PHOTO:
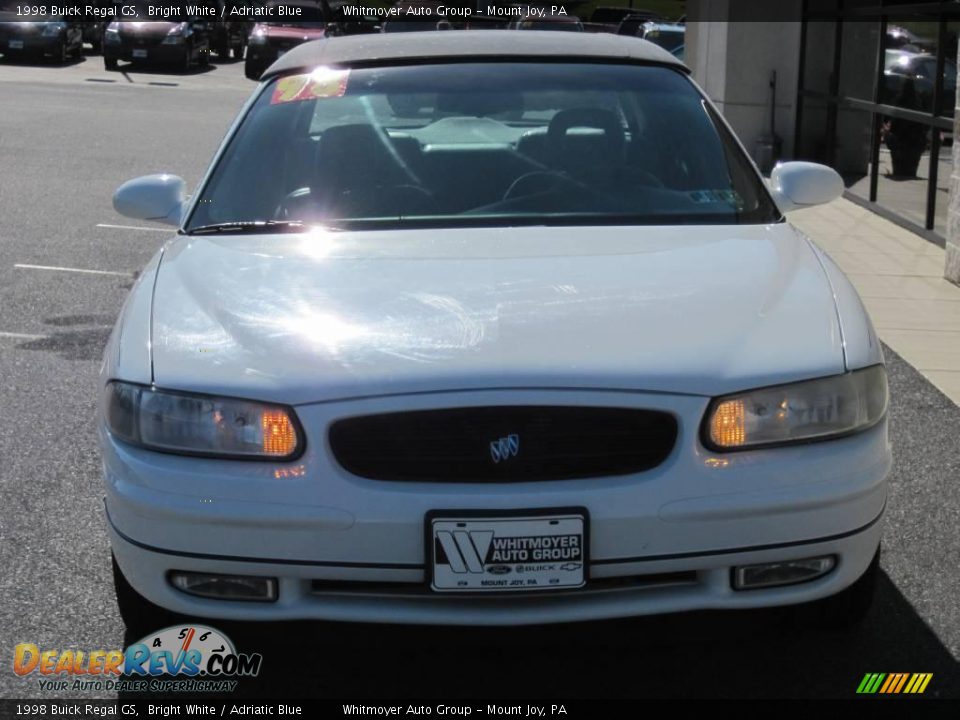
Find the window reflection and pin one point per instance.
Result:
(884, 120)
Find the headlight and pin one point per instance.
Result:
(799, 412)
(257, 37)
(111, 35)
(53, 28)
(177, 35)
(200, 425)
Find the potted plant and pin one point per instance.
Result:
(906, 139)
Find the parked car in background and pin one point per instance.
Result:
(179, 45)
(269, 41)
(399, 25)
(909, 80)
(610, 15)
(482, 328)
(564, 23)
(900, 38)
(669, 36)
(485, 22)
(340, 24)
(54, 40)
(608, 19)
(632, 24)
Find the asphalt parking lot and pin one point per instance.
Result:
(68, 136)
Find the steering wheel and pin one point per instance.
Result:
(299, 199)
(302, 204)
(537, 182)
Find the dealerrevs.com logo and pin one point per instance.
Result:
(181, 658)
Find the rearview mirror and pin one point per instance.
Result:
(796, 185)
(159, 198)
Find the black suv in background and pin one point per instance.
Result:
(180, 44)
(57, 40)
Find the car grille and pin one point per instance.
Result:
(137, 40)
(503, 444)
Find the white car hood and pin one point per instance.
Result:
(331, 315)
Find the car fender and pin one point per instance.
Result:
(861, 346)
(128, 354)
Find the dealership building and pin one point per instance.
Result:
(865, 86)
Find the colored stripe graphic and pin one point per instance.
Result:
(894, 683)
(903, 679)
(892, 679)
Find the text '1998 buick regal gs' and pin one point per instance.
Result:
(489, 328)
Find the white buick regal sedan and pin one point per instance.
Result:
(489, 328)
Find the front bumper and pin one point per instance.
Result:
(347, 548)
(155, 53)
(31, 45)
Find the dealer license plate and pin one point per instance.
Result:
(521, 553)
(15, 44)
(139, 53)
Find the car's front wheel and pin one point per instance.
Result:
(252, 70)
(139, 614)
(187, 60)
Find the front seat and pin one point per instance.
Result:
(595, 159)
(362, 173)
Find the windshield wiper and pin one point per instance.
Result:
(249, 226)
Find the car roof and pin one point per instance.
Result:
(466, 45)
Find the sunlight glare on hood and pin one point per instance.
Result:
(324, 330)
(317, 243)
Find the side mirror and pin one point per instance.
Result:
(160, 198)
(796, 185)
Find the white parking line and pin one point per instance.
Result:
(73, 270)
(132, 227)
(22, 336)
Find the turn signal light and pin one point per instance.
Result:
(279, 435)
(728, 425)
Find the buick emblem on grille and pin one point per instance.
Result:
(505, 448)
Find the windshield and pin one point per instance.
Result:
(483, 144)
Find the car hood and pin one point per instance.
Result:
(276, 32)
(331, 315)
(152, 28)
(20, 28)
